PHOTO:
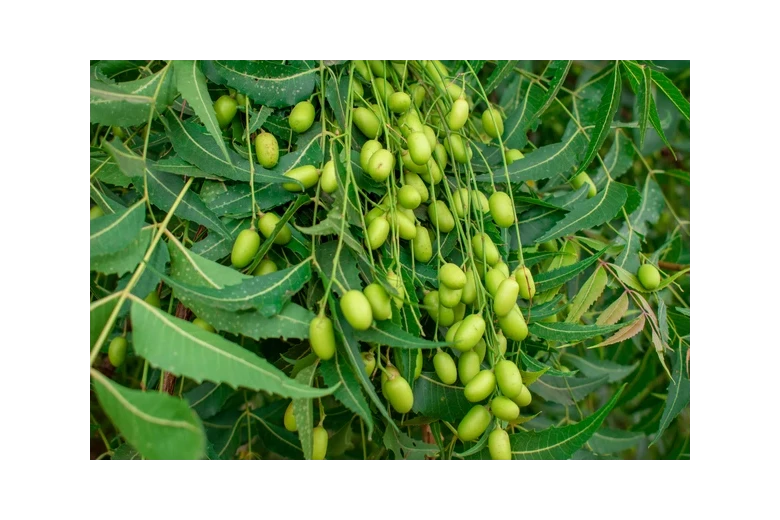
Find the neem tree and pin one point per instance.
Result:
(389, 259)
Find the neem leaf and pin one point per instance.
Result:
(569, 332)
(127, 258)
(335, 370)
(304, 413)
(672, 92)
(608, 440)
(589, 293)
(265, 82)
(389, 334)
(130, 103)
(678, 394)
(432, 398)
(601, 367)
(111, 233)
(557, 277)
(567, 390)
(606, 113)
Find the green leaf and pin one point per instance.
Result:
(113, 232)
(275, 437)
(635, 73)
(502, 70)
(629, 257)
(264, 82)
(187, 267)
(335, 370)
(236, 201)
(346, 273)
(157, 425)
(671, 91)
(557, 277)
(192, 84)
(99, 311)
(618, 160)
(569, 332)
(304, 412)
(615, 312)
(627, 332)
(589, 293)
(389, 334)
(127, 258)
(257, 121)
(567, 390)
(591, 367)
(208, 398)
(336, 92)
(432, 398)
(606, 113)
(607, 440)
(650, 209)
(179, 347)
(644, 99)
(178, 166)
(215, 246)
(105, 169)
(536, 365)
(130, 103)
(406, 448)
(678, 394)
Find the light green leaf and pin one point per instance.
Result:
(589, 293)
(113, 232)
(644, 99)
(615, 312)
(99, 311)
(591, 367)
(608, 440)
(389, 334)
(130, 103)
(557, 277)
(605, 115)
(304, 412)
(569, 332)
(127, 258)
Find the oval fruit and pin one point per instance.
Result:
(649, 277)
(499, 446)
(513, 325)
(450, 336)
(321, 337)
(492, 122)
(474, 423)
(460, 202)
(452, 276)
(399, 393)
(469, 295)
(449, 297)
(409, 123)
(399, 102)
(379, 300)
(319, 445)
(431, 304)
(377, 233)
(501, 209)
(328, 181)
(513, 155)
(267, 149)
(419, 148)
(418, 94)
(153, 299)
(481, 350)
(581, 179)
(460, 151)
(493, 280)
(445, 368)
(266, 225)
(430, 133)
(367, 122)
(378, 67)
(117, 351)
(468, 366)
(369, 362)
(501, 342)
(480, 387)
(381, 164)
(404, 226)
(409, 197)
(508, 377)
(526, 282)
(440, 155)
(484, 249)
(506, 296)
(374, 214)
(383, 89)
(289, 419)
(459, 311)
(245, 248)
(369, 148)
(357, 309)
(301, 117)
(95, 212)
(266, 266)
(389, 372)
(306, 175)
(225, 108)
(203, 324)
(470, 332)
(414, 180)
(440, 215)
(398, 284)
(523, 398)
(446, 316)
(458, 115)
(421, 245)
(504, 408)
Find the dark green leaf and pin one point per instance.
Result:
(569, 332)
(567, 390)
(605, 115)
(131, 102)
(678, 393)
(672, 92)
(608, 440)
(389, 334)
(264, 82)
(558, 277)
(348, 393)
(592, 367)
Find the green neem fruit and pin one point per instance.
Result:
(404, 226)
(362, 68)
(431, 304)
(493, 280)
(409, 164)
(245, 248)
(458, 115)
(357, 89)
(374, 214)
(418, 94)
(369, 148)
(549, 246)
(266, 225)
(421, 245)
(414, 180)
(440, 155)
(399, 102)
(649, 277)
(446, 316)
(501, 209)
(379, 300)
(454, 144)
(450, 336)
(95, 212)
(266, 266)
(267, 149)
(432, 173)
(480, 387)
(395, 282)
(118, 132)
(357, 309)
(501, 342)
(449, 297)
(377, 232)
(328, 181)
(409, 197)
(513, 325)
(460, 311)
(225, 108)
(378, 67)
(526, 281)
(399, 393)
(117, 351)
(418, 363)
(480, 201)
(367, 122)
(452, 276)
(419, 147)
(460, 202)
(445, 367)
(581, 179)
(381, 164)
(289, 419)
(470, 332)
(321, 337)
(301, 117)
(307, 175)
(430, 134)
(514, 155)
(468, 366)
(153, 299)
(474, 423)
(509, 379)
(383, 89)
(505, 298)
(523, 398)
(469, 295)
(319, 445)
(409, 123)
(240, 99)
(501, 266)
(492, 122)
(552, 319)
(481, 350)
(484, 248)
(499, 446)
(390, 372)
(203, 324)
(504, 408)
(440, 215)
(572, 253)
(369, 362)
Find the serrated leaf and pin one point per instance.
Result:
(634, 73)
(534, 364)
(179, 347)
(432, 398)
(627, 332)
(557, 277)
(671, 91)
(264, 82)
(615, 312)
(589, 293)
(606, 113)
(629, 257)
(111, 233)
(569, 332)
(389, 334)
(608, 440)
(105, 198)
(257, 121)
(650, 209)
(304, 413)
(130, 103)
(567, 390)
(127, 258)
(601, 367)
(346, 271)
(157, 425)
(678, 393)
(406, 448)
(502, 70)
(348, 392)
(236, 201)
(178, 166)
(643, 100)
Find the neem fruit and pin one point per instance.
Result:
(506, 296)
(468, 366)
(379, 300)
(492, 122)
(445, 367)
(501, 209)
(367, 122)
(203, 324)
(526, 282)
(266, 225)
(245, 248)
(510, 382)
(499, 446)
(319, 443)
(328, 181)
(301, 117)
(357, 309)
(504, 408)
(267, 149)
(474, 423)
(649, 277)
(513, 325)
(381, 164)
(117, 351)
(480, 386)
(225, 108)
(399, 393)
(289, 419)
(452, 276)
(377, 232)
(306, 175)
(321, 337)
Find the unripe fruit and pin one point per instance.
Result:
(470, 332)
(319, 443)
(203, 324)
(493, 280)
(440, 215)
(289, 419)
(117, 351)
(450, 336)
(118, 132)
(361, 67)
(501, 342)
(550, 246)
(307, 175)
(245, 248)
(480, 387)
(357, 90)
(266, 266)
(390, 372)
(369, 148)
(440, 155)
(432, 173)
(460, 202)
(404, 226)
(526, 282)
(378, 67)
(649, 277)
(369, 362)
(430, 133)
(449, 297)
(459, 311)
(418, 95)
(328, 181)
(501, 209)
(398, 285)
(499, 446)
(446, 316)
(379, 300)
(399, 393)
(445, 368)
(414, 180)
(454, 91)
(492, 122)
(480, 201)
(484, 248)
(523, 398)
(452, 276)
(377, 232)
(509, 379)
(301, 117)
(481, 350)
(419, 147)
(409, 197)
(225, 108)
(267, 149)
(381, 164)
(474, 423)
(421, 245)
(383, 89)
(399, 102)
(153, 299)
(506, 297)
(469, 295)
(266, 225)
(504, 408)
(95, 212)
(501, 266)
(357, 309)
(460, 151)
(513, 325)
(581, 179)
(367, 122)
(468, 366)
(321, 337)
(458, 115)
(409, 123)
(514, 155)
